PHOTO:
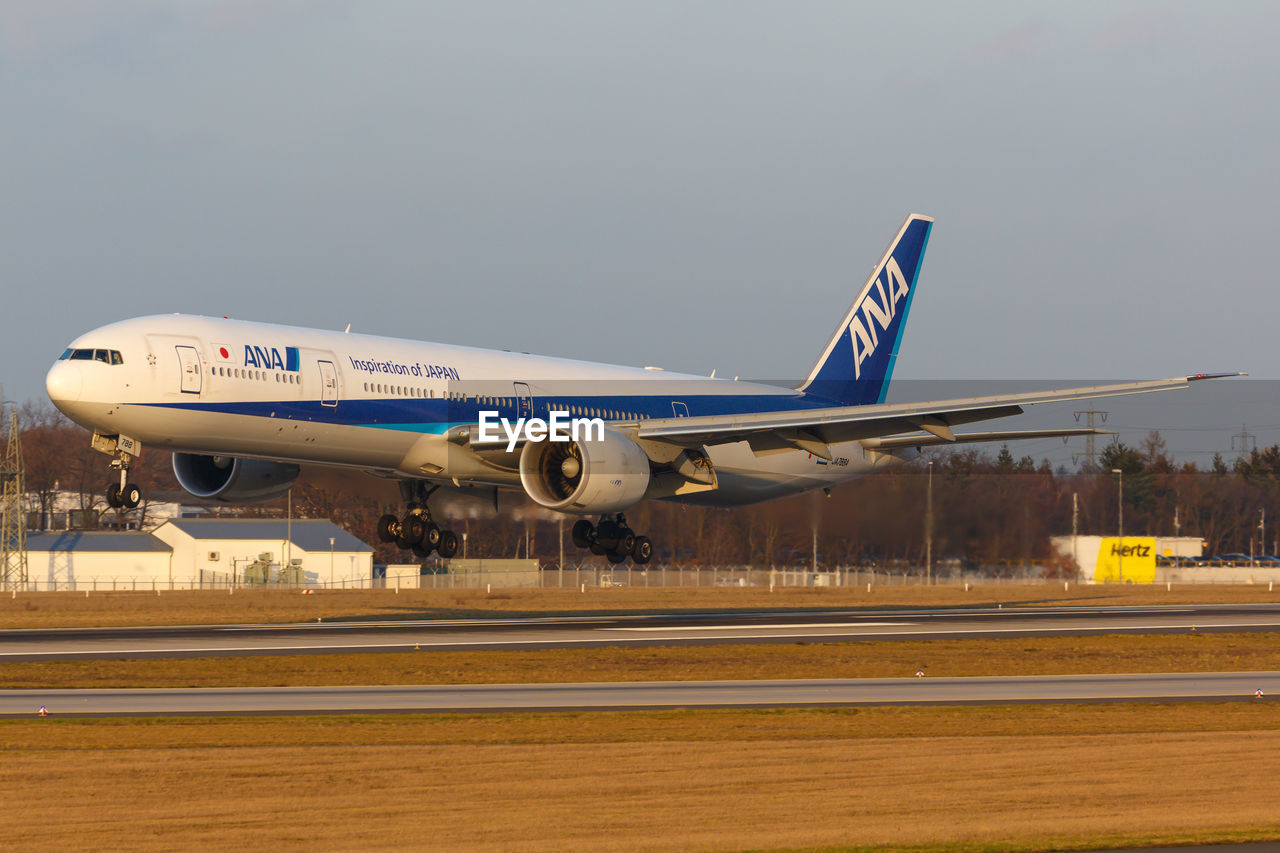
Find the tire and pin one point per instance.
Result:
(642, 551)
(412, 529)
(607, 536)
(431, 538)
(448, 544)
(626, 541)
(404, 544)
(387, 527)
(131, 496)
(615, 558)
(583, 532)
(113, 496)
(422, 552)
(598, 549)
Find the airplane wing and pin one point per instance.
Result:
(814, 430)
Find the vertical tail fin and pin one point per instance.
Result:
(857, 364)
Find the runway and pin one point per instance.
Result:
(632, 695)
(642, 630)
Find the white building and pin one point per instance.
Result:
(219, 550)
(93, 559)
(197, 553)
(68, 510)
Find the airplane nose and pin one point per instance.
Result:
(64, 382)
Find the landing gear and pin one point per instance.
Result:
(611, 538)
(416, 532)
(123, 450)
(127, 495)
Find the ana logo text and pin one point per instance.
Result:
(269, 358)
(873, 315)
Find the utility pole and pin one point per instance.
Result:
(1262, 530)
(1120, 523)
(13, 526)
(928, 529)
(1075, 532)
(1090, 444)
(288, 534)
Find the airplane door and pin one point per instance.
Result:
(189, 362)
(328, 383)
(680, 410)
(524, 400)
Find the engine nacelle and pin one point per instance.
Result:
(606, 475)
(231, 480)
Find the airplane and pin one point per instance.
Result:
(247, 406)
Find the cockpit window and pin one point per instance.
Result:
(106, 356)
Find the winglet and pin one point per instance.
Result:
(1197, 377)
(857, 364)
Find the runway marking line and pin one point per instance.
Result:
(762, 627)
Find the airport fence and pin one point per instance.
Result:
(654, 576)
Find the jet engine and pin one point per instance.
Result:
(605, 475)
(231, 480)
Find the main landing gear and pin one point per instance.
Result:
(417, 532)
(613, 539)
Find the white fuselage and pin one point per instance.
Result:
(254, 390)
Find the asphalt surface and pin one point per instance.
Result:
(648, 630)
(630, 695)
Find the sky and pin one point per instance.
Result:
(692, 185)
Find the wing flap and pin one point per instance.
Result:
(898, 441)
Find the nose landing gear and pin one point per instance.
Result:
(123, 450)
(613, 539)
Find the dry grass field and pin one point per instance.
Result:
(1187, 652)
(71, 609)
(1007, 778)
(1002, 778)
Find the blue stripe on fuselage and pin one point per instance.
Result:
(436, 415)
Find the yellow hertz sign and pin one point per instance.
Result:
(1128, 560)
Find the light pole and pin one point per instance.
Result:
(928, 529)
(1120, 523)
(331, 562)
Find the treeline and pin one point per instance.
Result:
(990, 509)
